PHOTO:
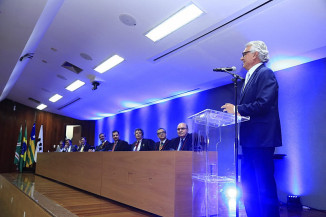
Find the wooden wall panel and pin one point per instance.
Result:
(13, 115)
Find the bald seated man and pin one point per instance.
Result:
(184, 140)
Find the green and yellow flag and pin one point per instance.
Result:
(23, 152)
(31, 149)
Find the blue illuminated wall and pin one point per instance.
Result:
(166, 115)
(302, 102)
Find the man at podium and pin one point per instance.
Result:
(261, 134)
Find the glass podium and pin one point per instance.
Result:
(213, 170)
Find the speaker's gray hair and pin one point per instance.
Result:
(261, 48)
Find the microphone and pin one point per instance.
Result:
(229, 69)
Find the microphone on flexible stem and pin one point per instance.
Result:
(228, 69)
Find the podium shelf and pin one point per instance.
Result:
(214, 118)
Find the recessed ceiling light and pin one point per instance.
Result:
(175, 22)
(75, 85)
(55, 98)
(109, 63)
(41, 107)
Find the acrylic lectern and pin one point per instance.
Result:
(213, 170)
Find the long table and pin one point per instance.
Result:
(158, 182)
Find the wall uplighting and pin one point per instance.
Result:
(41, 107)
(176, 21)
(55, 98)
(106, 114)
(283, 62)
(75, 85)
(109, 63)
(294, 201)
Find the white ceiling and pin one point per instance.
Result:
(57, 31)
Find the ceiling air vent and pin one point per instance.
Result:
(69, 103)
(71, 67)
(61, 77)
(34, 100)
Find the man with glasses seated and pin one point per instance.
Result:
(164, 144)
(184, 140)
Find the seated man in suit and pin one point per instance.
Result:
(60, 146)
(118, 144)
(184, 140)
(69, 147)
(142, 144)
(164, 143)
(104, 146)
(83, 145)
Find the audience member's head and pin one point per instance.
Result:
(161, 134)
(182, 130)
(83, 141)
(139, 134)
(115, 135)
(102, 137)
(67, 143)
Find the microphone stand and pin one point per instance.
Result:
(235, 79)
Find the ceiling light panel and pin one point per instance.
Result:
(109, 63)
(41, 107)
(176, 21)
(55, 98)
(75, 85)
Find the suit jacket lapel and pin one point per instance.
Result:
(250, 82)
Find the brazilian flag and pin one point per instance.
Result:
(23, 152)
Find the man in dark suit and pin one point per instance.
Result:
(142, 144)
(164, 143)
(104, 143)
(69, 147)
(83, 145)
(118, 144)
(261, 134)
(184, 140)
